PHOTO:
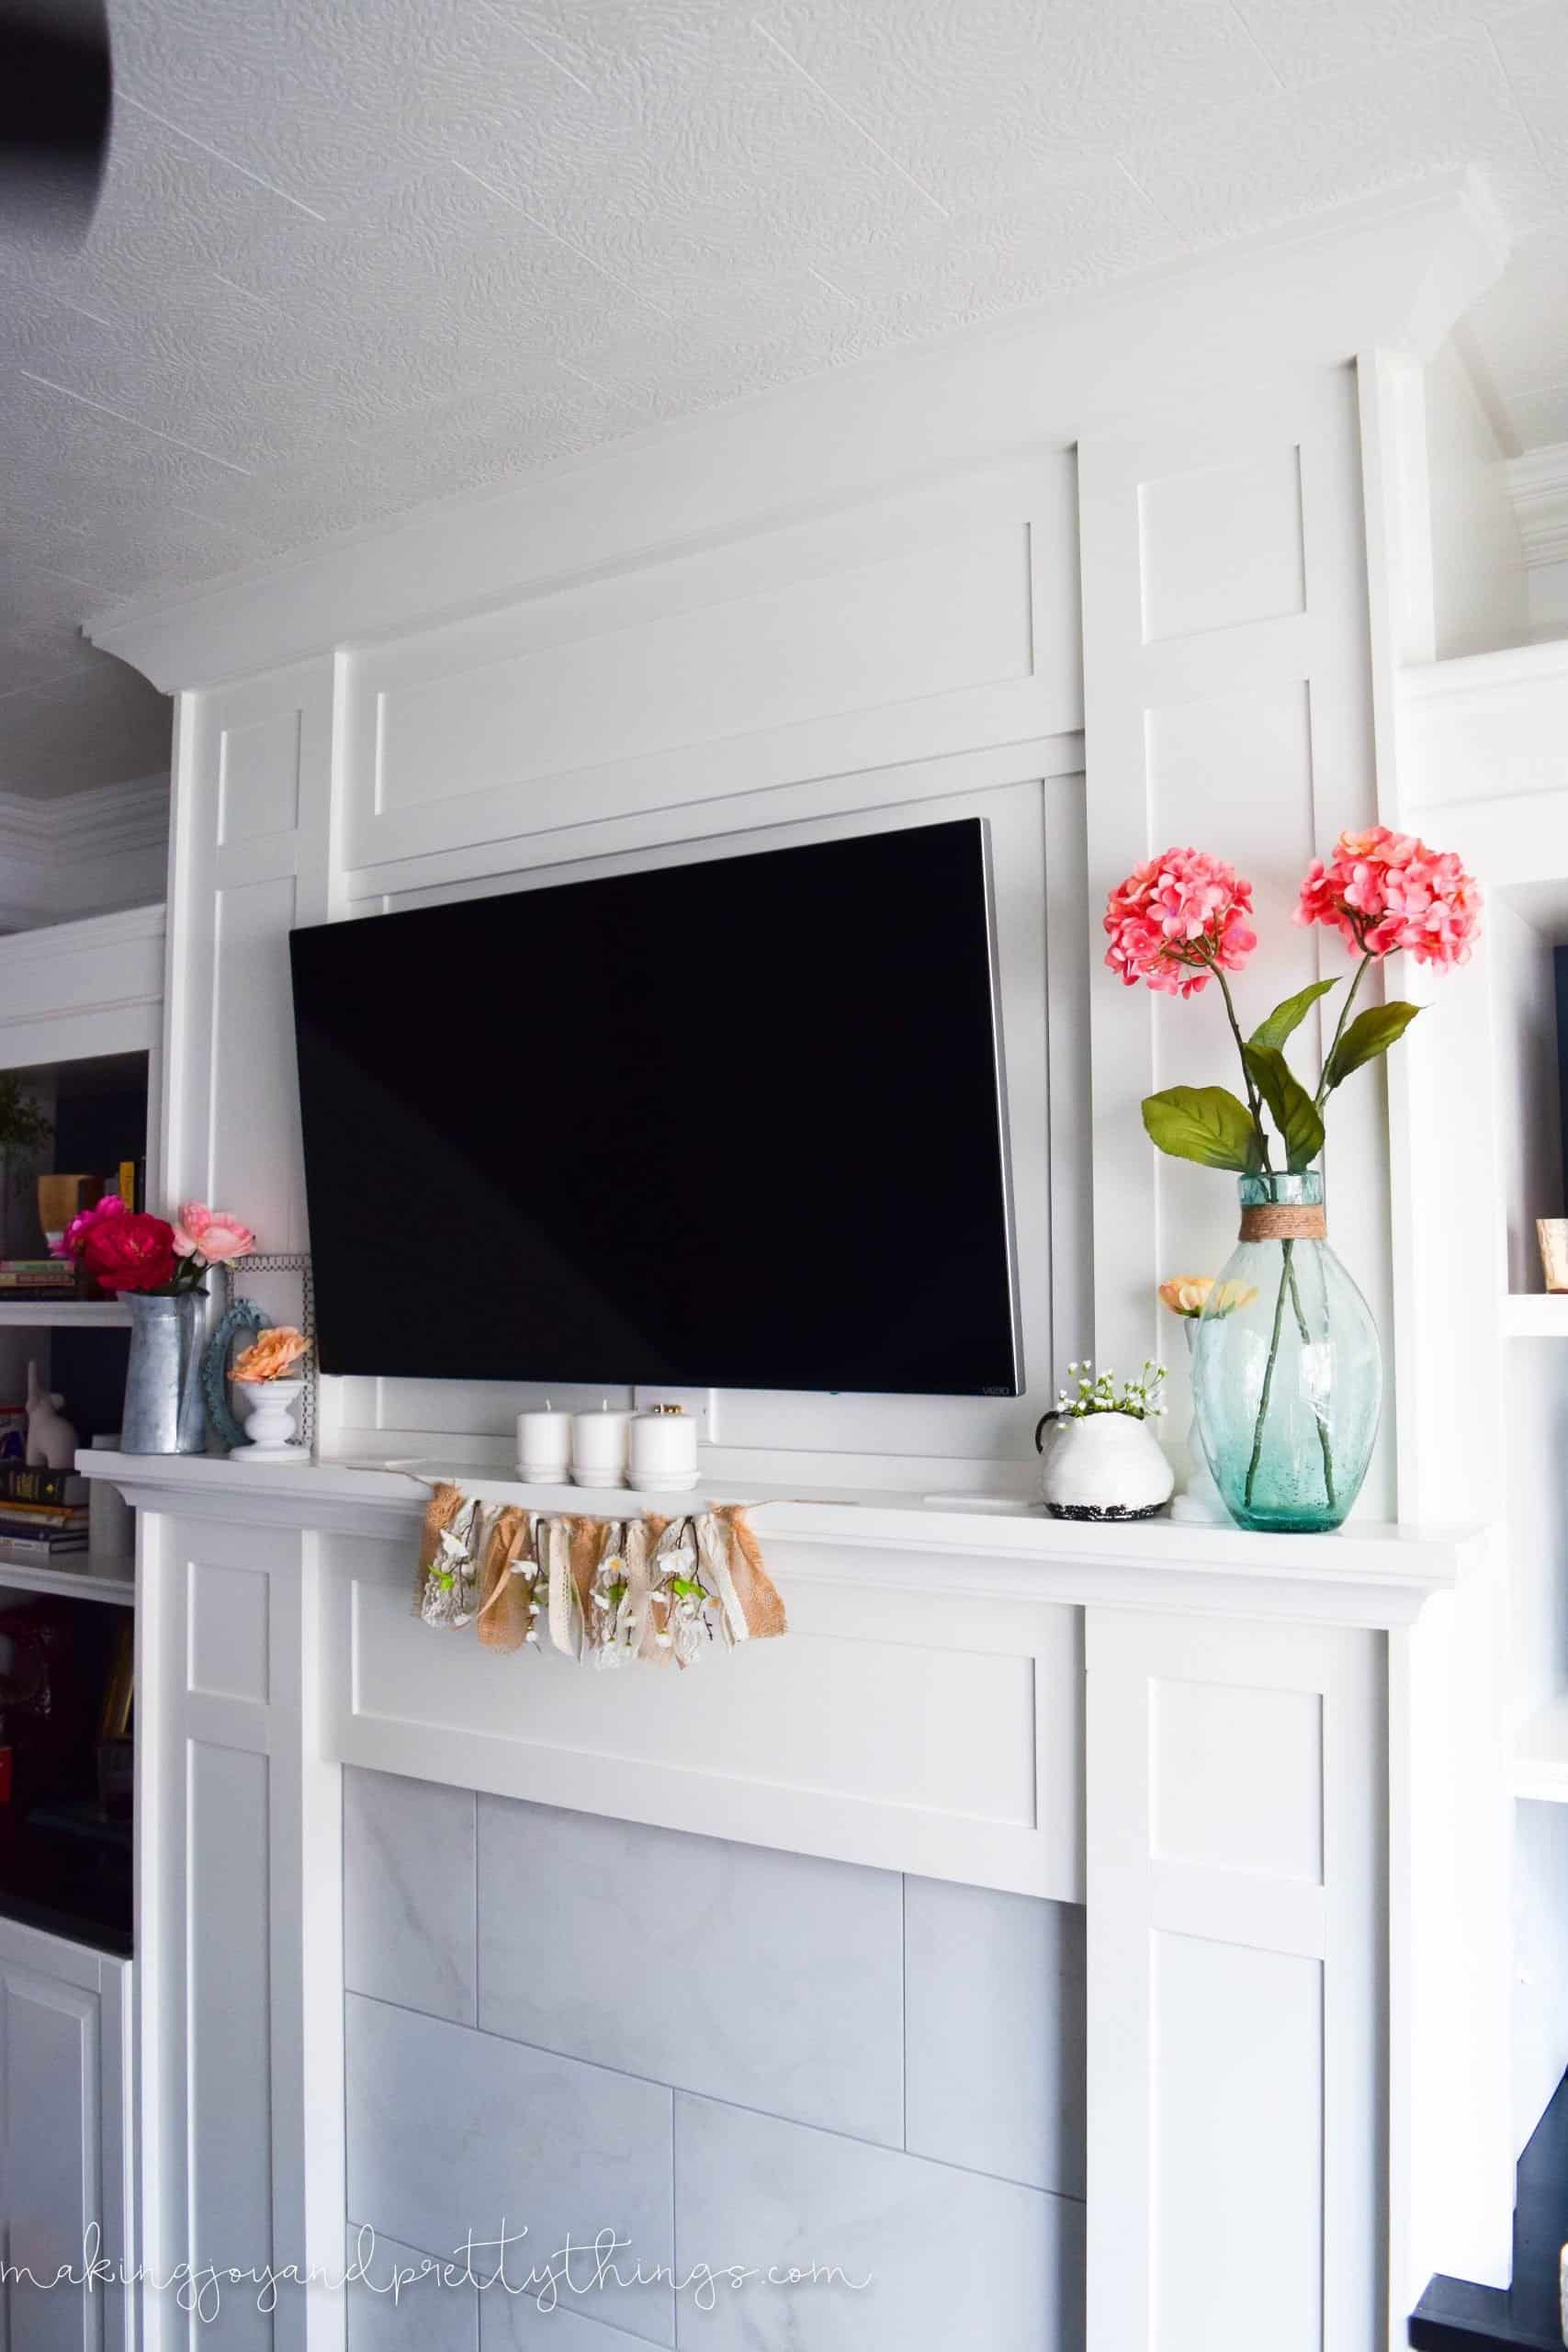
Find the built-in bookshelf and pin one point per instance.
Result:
(96, 1106)
(81, 1030)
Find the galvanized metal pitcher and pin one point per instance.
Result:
(163, 1410)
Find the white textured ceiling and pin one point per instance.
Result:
(354, 254)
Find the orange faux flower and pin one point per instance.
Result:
(271, 1354)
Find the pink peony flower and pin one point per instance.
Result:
(73, 1242)
(130, 1253)
(1382, 890)
(1176, 919)
(208, 1234)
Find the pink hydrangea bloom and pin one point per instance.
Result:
(202, 1232)
(1177, 917)
(1382, 890)
(73, 1242)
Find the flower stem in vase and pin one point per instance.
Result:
(1324, 1441)
(1267, 1380)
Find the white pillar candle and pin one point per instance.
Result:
(544, 1445)
(599, 1448)
(662, 1448)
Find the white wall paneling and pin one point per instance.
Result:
(933, 623)
(252, 809)
(79, 989)
(65, 2141)
(240, 2047)
(1451, 2142)
(1234, 1918)
(895, 1732)
(1489, 724)
(1227, 701)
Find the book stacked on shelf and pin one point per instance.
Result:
(38, 1278)
(43, 1515)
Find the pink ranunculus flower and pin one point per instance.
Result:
(1177, 919)
(73, 1242)
(202, 1232)
(1382, 890)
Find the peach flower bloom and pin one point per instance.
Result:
(1188, 1294)
(271, 1354)
(202, 1232)
(1185, 1293)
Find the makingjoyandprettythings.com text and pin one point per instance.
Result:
(570, 2273)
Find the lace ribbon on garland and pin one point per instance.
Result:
(610, 1593)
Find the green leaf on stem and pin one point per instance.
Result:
(1203, 1122)
(1287, 1017)
(1370, 1034)
(1289, 1105)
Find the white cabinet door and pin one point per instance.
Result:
(65, 2169)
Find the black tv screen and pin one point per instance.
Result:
(739, 1123)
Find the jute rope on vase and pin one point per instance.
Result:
(1283, 1224)
(608, 1593)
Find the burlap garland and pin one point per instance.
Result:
(446, 1503)
(506, 1584)
(1294, 1224)
(606, 1591)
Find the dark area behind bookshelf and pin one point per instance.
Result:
(100, 1116)
(65, 1826)
(100, 1113)
(88, 1368)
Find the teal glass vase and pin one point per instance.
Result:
(1287, 1372)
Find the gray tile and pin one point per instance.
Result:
(452, 2131)
(995, 1993)
(925, 2257)
(408, 1894)
(387, 2312)
(514, 2323)
(774, 1980)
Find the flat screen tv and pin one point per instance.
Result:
(737, 1124)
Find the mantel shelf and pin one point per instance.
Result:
(1366, 1574)
(65, 1314)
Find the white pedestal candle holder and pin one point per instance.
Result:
(268, 1407)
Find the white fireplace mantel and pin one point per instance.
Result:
(1245, 1755)
(1370, 1573)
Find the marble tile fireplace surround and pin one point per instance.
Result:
(785, 2053)
(1023, 1939)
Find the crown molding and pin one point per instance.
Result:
(1538, 484)
(107, 819)
(1391, 273)
(58, 856)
